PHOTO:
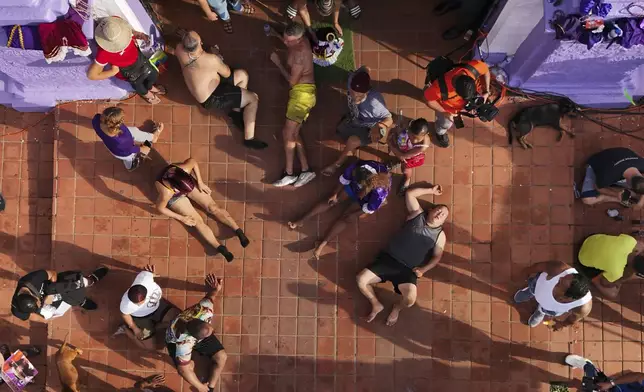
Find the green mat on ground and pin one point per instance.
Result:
(337, 73)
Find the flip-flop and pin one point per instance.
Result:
(354, 9)
(161, 90)
(247, 9)
(626, 198)
(152, 101)
(291, 12)
(228, 26)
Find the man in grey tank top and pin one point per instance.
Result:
(413, 251)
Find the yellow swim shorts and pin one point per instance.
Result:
(301, 100)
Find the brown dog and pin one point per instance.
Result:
(66, 369)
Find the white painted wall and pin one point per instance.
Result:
(516, 21)
(120, 8)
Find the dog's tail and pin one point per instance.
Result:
(65, 341)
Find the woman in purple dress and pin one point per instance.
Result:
(363, 189)
(129, 144)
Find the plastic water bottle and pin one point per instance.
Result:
(267, 29)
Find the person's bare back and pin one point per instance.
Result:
(302, 55)
(201, 73)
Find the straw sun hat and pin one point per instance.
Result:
(113, 34)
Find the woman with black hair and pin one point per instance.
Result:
(363, 189)
(177, 186)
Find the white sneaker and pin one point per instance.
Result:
(304, 178)
(576, 361)
(287, 179)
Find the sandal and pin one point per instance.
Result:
(354, 8)
(152, 101)
(247, 9)
(626, 198)
(161, 90)
(228, 26)
(291, 12)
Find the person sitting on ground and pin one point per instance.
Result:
(610, 260)
(411, 253)
(301, 100)
(625, 382)
(325, 8)
(177, 187)
(559, 291)
(117, 47)
(366, 185)
(144, 310)
(614, 167)
(129, 144)
(216, 86)
(218, 9)
(50, 294)
(409, 146)
(461, 86)
(192, 331)
(367, 120)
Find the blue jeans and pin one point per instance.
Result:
(220, 7)
(532, 284)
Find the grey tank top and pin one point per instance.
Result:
(414, 241)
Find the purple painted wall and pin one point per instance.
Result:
(595, 77)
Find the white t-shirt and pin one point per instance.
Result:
(152, 299)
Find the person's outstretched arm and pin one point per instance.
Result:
(411, 199)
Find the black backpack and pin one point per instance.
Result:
(438, 67)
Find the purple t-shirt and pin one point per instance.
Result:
(121, 145)
(374, 199)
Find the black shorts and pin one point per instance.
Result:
(389, 269)
(226, 96)
(148, 323)
(207, 347)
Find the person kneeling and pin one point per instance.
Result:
(559, 291)
(414, 250)
(610, 260)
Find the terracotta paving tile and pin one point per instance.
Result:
(289, 323)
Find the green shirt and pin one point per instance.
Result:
(608, 253)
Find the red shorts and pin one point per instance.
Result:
(415, 161)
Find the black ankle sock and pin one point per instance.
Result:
(225, 252)
(242, 237)
(255, 144)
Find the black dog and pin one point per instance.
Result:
(535, 116)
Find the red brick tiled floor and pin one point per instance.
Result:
(287, 322)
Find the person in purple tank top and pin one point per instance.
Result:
(366, 185)
(129, 144)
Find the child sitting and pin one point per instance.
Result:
(409, 146)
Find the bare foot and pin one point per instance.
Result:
(318, 250)
(375, 309)
(158, 128)
(329, 170)
(294, 225)
(393, 316)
